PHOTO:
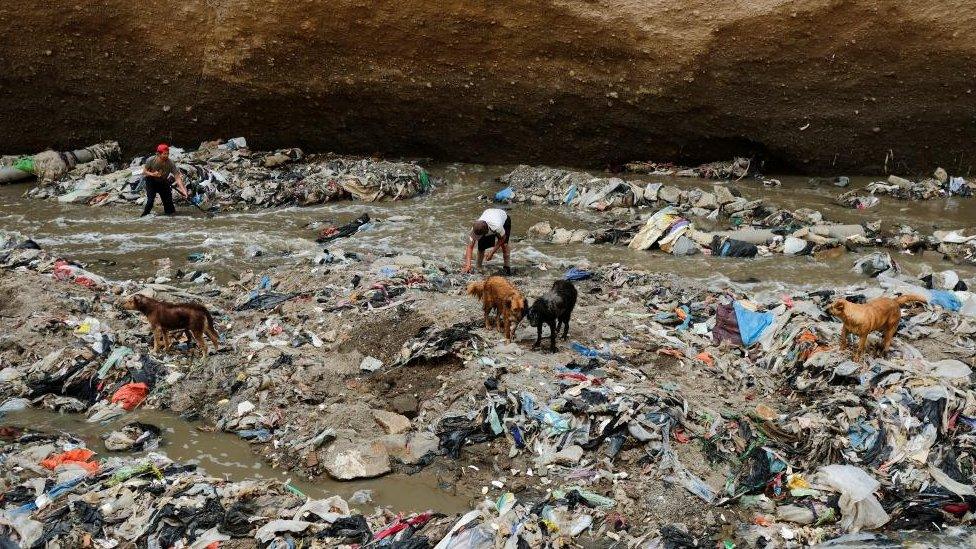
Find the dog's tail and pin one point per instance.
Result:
(910, 298)
(476, 289)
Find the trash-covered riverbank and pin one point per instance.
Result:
(679, 412)
(228, 175)
(719, 221)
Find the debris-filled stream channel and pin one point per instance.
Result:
(698, 400)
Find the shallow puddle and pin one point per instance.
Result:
(228, 456)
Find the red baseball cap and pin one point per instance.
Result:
(162, 147)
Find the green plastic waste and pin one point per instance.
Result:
(424, 180)
(125, 473)
(25, 164)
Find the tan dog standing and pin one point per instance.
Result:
(881, 314)
(499, 296)
(165, 317)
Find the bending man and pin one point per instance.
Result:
(158, 171)
(490, 232)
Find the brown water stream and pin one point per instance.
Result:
(118, 244)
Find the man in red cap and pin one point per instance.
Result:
(159, 170)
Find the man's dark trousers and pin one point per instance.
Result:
(154, 186)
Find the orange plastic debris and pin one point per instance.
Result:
(131, 394)
(706, 358)
(79, 456)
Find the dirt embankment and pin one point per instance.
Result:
(809, 84)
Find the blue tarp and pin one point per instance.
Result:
(945, 299)
(505, 194)
(570, 195)
(751, 324)
(577, 274)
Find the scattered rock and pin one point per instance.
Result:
(405, 404)
(370, 364)
(349, 460)
(542, 228)
(669, 194)
(391, 422)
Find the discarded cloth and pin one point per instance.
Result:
(130, 395)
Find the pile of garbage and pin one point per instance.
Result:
(50, 165)
(736, 169)
(941, 185)
(755, 228)
(229, 175)
(682, 413)
(801, 232)
(956, 246)
(542, 185)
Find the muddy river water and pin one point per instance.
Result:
(115, 242)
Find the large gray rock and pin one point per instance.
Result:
(542, 228)
(669, 194)
(411, 449)
(707, 201)
(900, 181)
(723, 195)
(352, 460)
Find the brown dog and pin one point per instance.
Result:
(166, 317)
(877, 315)
(497, 294)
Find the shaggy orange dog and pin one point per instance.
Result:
(497, 294)
(877, 315)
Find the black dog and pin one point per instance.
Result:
(555, 307)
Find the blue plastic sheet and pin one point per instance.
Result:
(544, 415)
(577, 274)
(687, 322)
(751, 324)
(504, 194)
(945, 299)
(588, 352)
(570, 194)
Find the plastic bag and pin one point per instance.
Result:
(751, 324)
(859, 508)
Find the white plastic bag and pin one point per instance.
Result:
(859, 508)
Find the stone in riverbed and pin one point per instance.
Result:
(405, 404)
(351, 460)
(391, 422)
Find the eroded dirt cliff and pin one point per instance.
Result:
(808, 84)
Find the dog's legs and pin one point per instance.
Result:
(201, 343)
(843, 338)
(214, 337)
(553, 330)
(860, 347)
(538, 335)
(488, 309)
(565, 328)
(888, 336)
(157, 339)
